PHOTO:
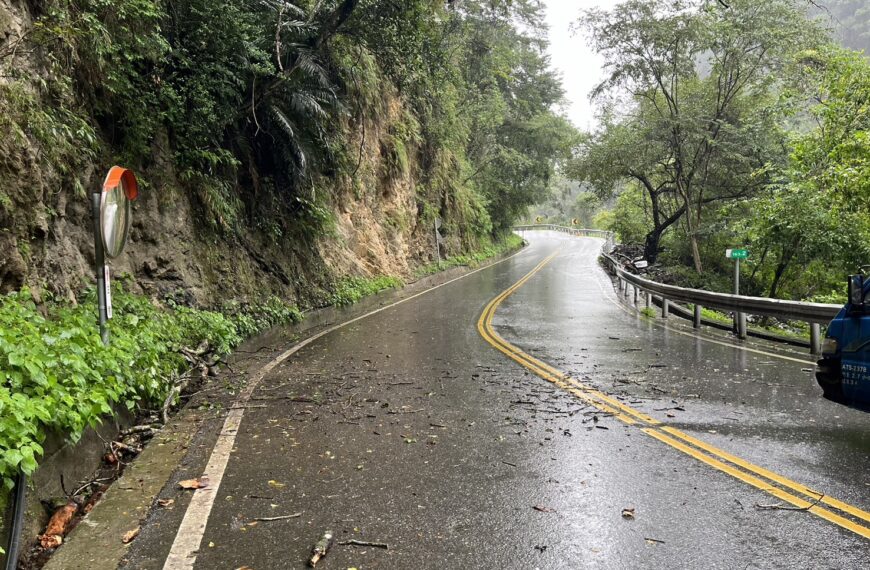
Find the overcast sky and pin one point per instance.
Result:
(572, 57)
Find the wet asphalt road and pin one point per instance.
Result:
(409, 429)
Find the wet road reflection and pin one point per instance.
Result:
(409, 428)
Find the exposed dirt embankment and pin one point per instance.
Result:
(45, 226)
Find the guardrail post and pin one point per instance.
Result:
(696, 322)
(665, 308)
(648, 299)
(741, 326)
(635, 295)
(625, 291)
(816, 338)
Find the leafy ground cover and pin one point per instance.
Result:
(350, 290)
(57, 376)
(509, 243)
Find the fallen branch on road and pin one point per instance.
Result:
(781, 507)
(281, 518)
(364, 543)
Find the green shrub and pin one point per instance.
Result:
(57, 375)
(509, 243)
(253, 318)
(349, 291)
(649, 312)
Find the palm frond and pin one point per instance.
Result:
(283, 122)
(304, 104)
(308, 65)
(290, 139)
(285, 7)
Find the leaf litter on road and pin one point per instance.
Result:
(200, 483)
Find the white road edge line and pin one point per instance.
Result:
(182, 555)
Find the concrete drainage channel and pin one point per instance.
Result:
(96, 541)
(62, 465)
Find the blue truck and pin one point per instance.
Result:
(844, 369)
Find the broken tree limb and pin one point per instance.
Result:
(179, 387)
(145, 430)
(321, 548)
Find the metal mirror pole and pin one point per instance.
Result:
(18, 508)
(100, 267)
(736, 325)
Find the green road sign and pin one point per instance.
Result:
(737, 253)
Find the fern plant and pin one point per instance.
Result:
(291, 115)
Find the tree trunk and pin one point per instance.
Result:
(651, 245)
(696, 253)
(784, 261)
(692, 230)
(777, 276)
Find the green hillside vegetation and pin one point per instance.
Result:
(262, 110)
(263, 107)
(743, 125)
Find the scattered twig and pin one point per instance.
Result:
(353, 542)
(297, 399)
(89, 483)
(281, 518)
(127, 448)
(179, 387)
(781, 507)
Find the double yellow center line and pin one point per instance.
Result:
(799, 496)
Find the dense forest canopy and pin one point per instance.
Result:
(716, 117)
(734, 124)
(263, 108)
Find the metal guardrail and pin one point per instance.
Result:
(608, 237)
(815, 314)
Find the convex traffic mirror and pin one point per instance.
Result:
(119, 189)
